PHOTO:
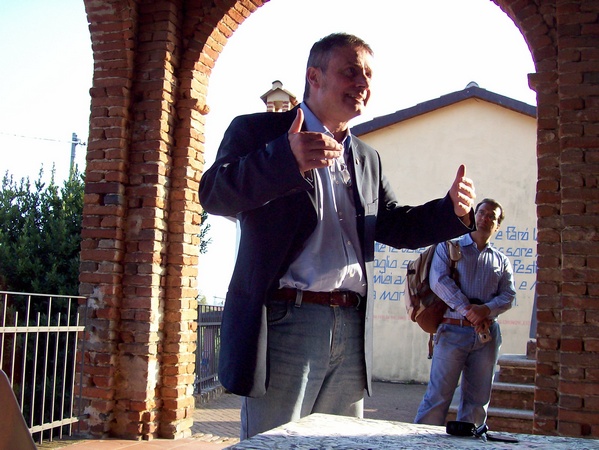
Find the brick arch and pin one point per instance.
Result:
(153, 61)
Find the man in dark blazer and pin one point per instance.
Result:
(311, 199)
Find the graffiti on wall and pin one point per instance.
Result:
(518, 244)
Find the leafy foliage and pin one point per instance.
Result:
(204, 239)
(40, 235)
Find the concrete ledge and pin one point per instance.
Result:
(337, 432)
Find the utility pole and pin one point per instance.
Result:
(74, 142)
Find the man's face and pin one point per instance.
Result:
(487, 218)
(341, 92)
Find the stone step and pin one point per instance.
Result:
(512, 396)
(503, 419)
(516, 369)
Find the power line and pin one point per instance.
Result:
(76, 141)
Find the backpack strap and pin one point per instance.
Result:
(455, 253)
(431, 345)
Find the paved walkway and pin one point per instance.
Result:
(216, 424)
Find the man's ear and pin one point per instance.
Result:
(313, 75)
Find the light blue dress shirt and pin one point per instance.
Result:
(486, 275)
(332, 257)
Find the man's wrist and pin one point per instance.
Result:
(468, 219)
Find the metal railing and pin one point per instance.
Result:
(38, 352)
(39, 341)
(209, 320)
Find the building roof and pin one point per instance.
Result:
(471, 91)
(277, 87)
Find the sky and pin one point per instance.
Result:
(422, 49)
(45, 77)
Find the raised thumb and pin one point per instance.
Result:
(296, 126)
(461, 172)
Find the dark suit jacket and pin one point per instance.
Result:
(255, 177)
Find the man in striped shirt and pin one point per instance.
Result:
(467, 341)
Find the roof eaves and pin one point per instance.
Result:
(449, 99)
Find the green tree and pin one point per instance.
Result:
(204, 239)
(40, 235)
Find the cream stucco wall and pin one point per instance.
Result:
(420, 157)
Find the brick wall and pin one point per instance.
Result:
(153, 60)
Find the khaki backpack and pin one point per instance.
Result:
(424, 306)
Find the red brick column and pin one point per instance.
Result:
(150, 401)
(578, 106)
(539, 31)
(105, 207)
(142, 214)
(563, 38)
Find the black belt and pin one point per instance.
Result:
(346, 299)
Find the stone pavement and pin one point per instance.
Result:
(390, 401)
(217, 424)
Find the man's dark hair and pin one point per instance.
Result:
(495, 204)
(321, 51)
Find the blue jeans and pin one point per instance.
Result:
(316, 365)
(458, 351)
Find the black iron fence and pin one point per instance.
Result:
(209, 320)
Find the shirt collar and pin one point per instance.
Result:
(467, 240)
(314, 124)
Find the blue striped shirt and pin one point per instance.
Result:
(486, 275)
